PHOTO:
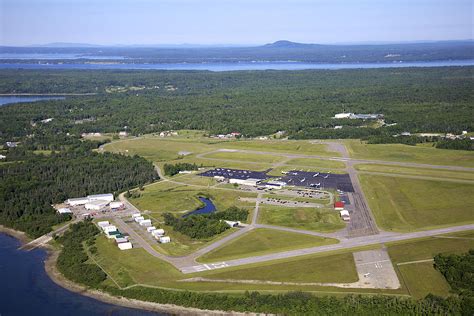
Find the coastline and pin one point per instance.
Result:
(56, 276)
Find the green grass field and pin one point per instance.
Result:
(245, 157)
(317, 163)
(333, 268)
(406, 153)
(263, 241)
(401, 204)
(164, 197)
(462, 175)
(421, 278)
(321, 220)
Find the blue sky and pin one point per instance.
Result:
(25, 22)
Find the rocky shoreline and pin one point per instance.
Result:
(59, 279)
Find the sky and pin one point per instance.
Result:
(244, 22)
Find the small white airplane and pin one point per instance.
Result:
(326, 176)
(303, 180)
(316, 174)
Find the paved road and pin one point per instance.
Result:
(344, 244)
(38, 242)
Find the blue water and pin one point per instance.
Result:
(18, 99)
(239, 65)
(208, 208)
(45, 56)
(26, 289)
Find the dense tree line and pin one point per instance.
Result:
(232, 213)
(298, 303)
(32, 183)
(72, 259)
(457, 144)
(171, 170)
(458, 271)
(253, 103)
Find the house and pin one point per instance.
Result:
(345, 215)
(338, 127)
(139, 218)
(12, 144)
(121, 240)
(47, 120)
(165, 239)
(109, 228)
(136, 215)
(64, 210)
(3, 156)
(123, 134)
(339, 205)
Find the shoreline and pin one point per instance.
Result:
(56, 276)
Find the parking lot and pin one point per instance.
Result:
(235, 174)
(319, 180)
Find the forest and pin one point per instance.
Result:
(302, 103)
(72, 259)
(30, 183)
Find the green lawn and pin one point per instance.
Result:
(406, 153)
(283, 146)
(333, 268)
(132, 266)
(321, 220)
(317, 163)
(463, 175)
(421, 278)
(245, 157)
(263, 241)
(401, 204)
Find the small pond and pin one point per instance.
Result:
(208, 208)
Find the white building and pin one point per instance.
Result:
(125, 246)
(109, 197)
(116, 205)
(103, 224)
(121, 240)
(109, 228)
(145, 222)
(77, 201)
(139, 218)
(250, 181)
(64, 210)
(136, 215)
(165, 239)
(3, 156)
(232, 224)
(345, 215)
(95, 205)
(150, 229)
(275, 184)
(158, 232)
(123, 134)
(343, 115)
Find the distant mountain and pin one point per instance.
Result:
(289, 44)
